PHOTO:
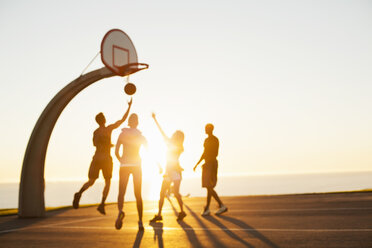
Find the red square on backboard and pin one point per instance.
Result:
(120, 56)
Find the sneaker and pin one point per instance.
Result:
(140, 226)
(101, 209)
(222, 210)
(75, 202)
(181, 215)
(206, 212)
(156, 218)
(119, 220)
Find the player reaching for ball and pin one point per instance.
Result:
(173, 171)
(102, 158)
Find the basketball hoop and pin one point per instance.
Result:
(119, 54)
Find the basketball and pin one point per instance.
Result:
(130, 89)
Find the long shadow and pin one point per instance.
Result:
(139, 236)
(194, 241)
(158, 233)
(250, 230)
(227, 231)
(12, 223)
(214, 240)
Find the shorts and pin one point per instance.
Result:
(136, 172)
(100, 162)
(173, 176)
(209, 174)
(124, 174)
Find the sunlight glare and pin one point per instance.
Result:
(152, 157)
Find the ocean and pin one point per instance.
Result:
(60, 193)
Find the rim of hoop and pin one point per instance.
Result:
(131, 68)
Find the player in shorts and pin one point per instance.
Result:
(102, 158)
(173, 171)
(209, 172)
(131, 140)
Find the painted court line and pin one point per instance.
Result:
(216, 229)
(263, 210)
(49, 225)
(269, 210)
(272, 210)
(73, 221)
(297, 209)
(60, 225)
(12, 230)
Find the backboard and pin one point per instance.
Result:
(119, 54)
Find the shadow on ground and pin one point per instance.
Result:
(158, 233)
(138, 240)
(249, 229)
(215, 241)
(13, 222)
(190, 233)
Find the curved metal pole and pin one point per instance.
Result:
(31, 188)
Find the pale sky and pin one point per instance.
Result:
(287, 84)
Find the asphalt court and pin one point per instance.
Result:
(317, 220)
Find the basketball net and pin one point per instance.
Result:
(127, 79)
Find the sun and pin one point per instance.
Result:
(152, 157)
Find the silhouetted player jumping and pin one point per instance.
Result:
(210, 167)
(102, 159)
(130, 140)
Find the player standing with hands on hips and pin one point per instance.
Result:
(209, 170)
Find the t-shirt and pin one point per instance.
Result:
(102, 140)
(131, 139)
(211, 145)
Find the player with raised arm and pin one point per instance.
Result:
(102, 159)
(130, 140)
(173, 170)
(210, 167)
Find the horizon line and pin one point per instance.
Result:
(198, 176)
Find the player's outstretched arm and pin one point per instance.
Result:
(159, 127)
(201, 159)
(119, 122)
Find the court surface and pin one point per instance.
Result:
(313, 220)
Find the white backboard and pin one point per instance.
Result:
(117, 50)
